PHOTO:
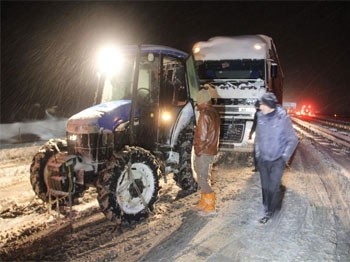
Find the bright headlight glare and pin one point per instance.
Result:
(166, 116)
(196, 49)
(110, 60)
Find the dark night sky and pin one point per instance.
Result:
(48, 48)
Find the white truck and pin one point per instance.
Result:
(240, 69)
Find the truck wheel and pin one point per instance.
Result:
(184, 178)
(118, 197)
(38, 165)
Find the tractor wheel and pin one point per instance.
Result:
(184, 178)
(122, 200)
(39, 162)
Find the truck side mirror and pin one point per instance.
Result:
(274, 68)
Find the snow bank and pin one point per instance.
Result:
(32, 131)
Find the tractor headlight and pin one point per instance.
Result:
(72, 137)
(166, 116)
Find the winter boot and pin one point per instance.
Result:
(201, 205)
(209, 209)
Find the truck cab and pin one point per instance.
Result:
(239, 70)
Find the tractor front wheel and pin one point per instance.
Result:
(184, 177)
(128, 189)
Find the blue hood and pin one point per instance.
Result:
(107, 116)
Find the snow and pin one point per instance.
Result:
(41, 130)
(313, 224)
(245, 47)
(251, 90)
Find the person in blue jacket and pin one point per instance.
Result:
(275, 142)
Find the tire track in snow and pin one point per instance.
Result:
(336, 181)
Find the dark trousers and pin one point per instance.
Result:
(255, 160)
(271, 173)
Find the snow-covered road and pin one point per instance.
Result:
(313, 224)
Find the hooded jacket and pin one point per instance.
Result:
(275, 136)
(206, 137)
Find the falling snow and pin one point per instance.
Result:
(48, 49)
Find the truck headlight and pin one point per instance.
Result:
(196, 49)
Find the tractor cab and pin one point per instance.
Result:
(156, 85)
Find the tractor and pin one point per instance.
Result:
(139, 129)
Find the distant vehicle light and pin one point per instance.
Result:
(306, 110)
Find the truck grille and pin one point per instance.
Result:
(234, 101)
(231, 131)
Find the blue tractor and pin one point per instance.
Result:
(140, 129)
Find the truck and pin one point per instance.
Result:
(139, 130)
(238, 71)
(290, 107)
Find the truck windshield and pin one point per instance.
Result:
(231, 69)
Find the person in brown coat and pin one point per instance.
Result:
(206, 140)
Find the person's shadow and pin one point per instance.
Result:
(282, 193)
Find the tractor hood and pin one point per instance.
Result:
(104, 116)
